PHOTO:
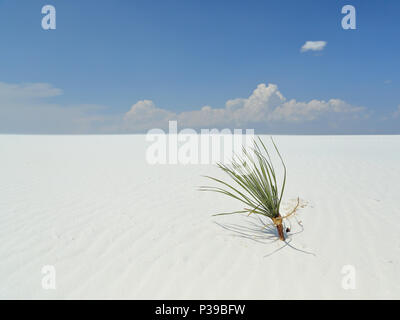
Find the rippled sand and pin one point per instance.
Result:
(114, 226)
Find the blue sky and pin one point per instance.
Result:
(172, 58)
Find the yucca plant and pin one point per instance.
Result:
(256, 184)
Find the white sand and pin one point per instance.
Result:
(114, 226)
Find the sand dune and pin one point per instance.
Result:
(114, 226)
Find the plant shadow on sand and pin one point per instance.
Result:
(256, 229)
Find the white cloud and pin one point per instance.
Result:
(144, 112)
(19, 93)
(265, 105)
(298, 111)
(25, 108)
(313, 46)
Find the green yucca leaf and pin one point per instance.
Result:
(256, 181)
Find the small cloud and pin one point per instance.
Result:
(25, 108)
(387, 82)
(313, 46)
(144, 112)
(27, 92)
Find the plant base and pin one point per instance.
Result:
(279, 226)
(281, 234)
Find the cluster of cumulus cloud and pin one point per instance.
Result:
(32, 108)
(266, 104)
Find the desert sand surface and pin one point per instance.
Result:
(116, 227)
